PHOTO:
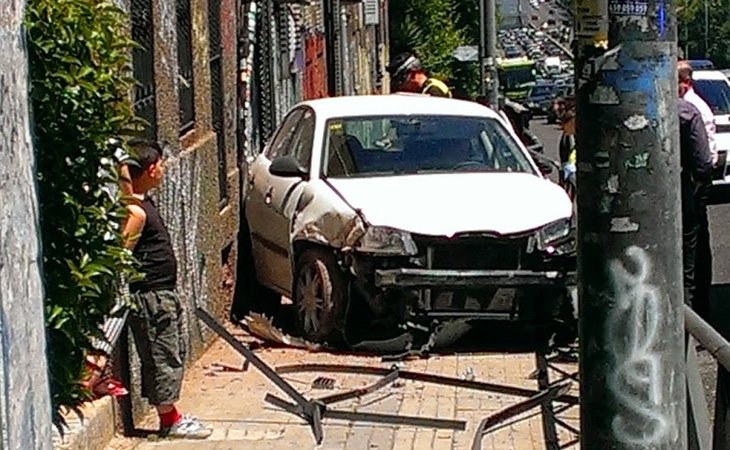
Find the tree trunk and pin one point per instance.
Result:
(25, 411)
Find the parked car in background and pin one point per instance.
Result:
(713, 86)
(371, 212)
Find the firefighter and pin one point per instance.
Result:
(408, 75)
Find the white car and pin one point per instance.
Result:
(714, 88)
(371, 212)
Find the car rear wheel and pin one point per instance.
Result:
(319, 295)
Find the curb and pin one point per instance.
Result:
(94, 432)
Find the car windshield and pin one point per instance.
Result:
(414, 144)
(716, 93)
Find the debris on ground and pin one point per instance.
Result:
(323, 383)
(264, 328)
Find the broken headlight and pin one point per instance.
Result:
(387, 241)
(555, 231)
(557, 238)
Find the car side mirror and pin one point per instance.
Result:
(545, 169)
(288, 167)
(544, 164)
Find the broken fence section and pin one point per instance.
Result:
(313, 410)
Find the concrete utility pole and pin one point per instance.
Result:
(629, 237)
(25, 409)
(488, 51)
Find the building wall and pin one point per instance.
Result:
(291, 57)
(273, 55)
(25, 410)
(201, 212)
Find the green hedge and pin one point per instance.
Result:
(80, 85)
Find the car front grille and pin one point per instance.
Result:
(473, 253)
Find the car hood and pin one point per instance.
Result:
(448, 204)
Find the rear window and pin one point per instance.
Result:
(716, 93)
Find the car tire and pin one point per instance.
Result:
(320, 296)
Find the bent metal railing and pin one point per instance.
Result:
(702, 434)
(552, 398)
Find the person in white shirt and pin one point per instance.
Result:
(687, 92)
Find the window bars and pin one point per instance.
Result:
(143, 61)
(186, 91)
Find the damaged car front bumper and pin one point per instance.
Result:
(414, 278)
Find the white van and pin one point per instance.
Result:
(714, 88)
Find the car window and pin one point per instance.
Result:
(393, 145)
(716, 93)
(283, 137)
(300, 145)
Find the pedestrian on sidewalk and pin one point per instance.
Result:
(156, 320)
(703, 257)
(696, 164)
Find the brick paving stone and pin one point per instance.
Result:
(232, 402)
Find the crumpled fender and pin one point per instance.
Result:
(327, 220)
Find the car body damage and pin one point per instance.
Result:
(324, 221)
(397, 232)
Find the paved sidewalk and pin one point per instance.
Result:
(232, 403)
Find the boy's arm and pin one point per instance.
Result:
(125, 180)
(136, 218)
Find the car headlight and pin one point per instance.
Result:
(555, 231)
(556, 238)
(387, 241)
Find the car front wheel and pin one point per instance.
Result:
(319, 295)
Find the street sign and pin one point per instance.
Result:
(591, 21)
(372, 12)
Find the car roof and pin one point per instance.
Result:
(708, 75)
(395, 104)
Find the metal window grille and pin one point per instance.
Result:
(186, 91)
(264, 55)
(216, 93)
(143, 62)
(246, 131)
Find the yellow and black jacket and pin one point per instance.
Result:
(436, 88)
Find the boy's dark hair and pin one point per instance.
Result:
(145, 152)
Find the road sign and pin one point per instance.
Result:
(372, 12)
(591, 21)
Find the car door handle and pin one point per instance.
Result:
(267, 196)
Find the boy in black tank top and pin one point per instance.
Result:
(157, 321)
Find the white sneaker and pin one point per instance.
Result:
(188, 427)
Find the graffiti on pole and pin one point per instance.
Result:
(636, 381)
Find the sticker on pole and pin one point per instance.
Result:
(628, 8)
(591, 22)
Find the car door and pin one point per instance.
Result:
(270, 255)
(285, 192)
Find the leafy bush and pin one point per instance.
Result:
(428, 27)
(80, 85)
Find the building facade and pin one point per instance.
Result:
(215, 77)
